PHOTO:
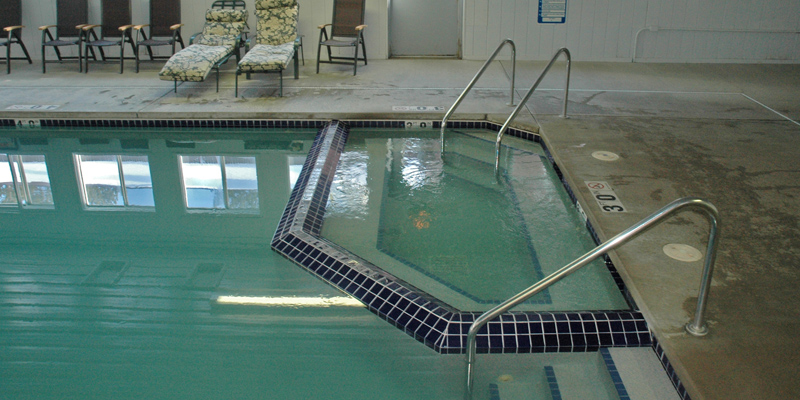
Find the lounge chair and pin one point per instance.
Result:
(71, 18)
(275, 41)
(115, 31)
(219, 41)
(347, 30)
(11, 21)
(164, 29)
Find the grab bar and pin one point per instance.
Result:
(478, 75)
(696, 327)
(528, 96)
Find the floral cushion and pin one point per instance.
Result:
(277, 25)
(222, 27)
(265, 4)
(264, 58)
(193, 63)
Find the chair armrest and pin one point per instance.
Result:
(360, 27)
(191, 39)
(11, 28)
(322, 26)
(176, 26)
(87, 27)
(124, 28)
(45, 27)
(139, 27)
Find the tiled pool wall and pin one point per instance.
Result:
(430, 321)
(411, 310)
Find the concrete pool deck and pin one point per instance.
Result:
(725, 133)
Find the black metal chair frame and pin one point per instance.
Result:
(48, 40)
(165, 25)
(107, 38)
(352, 38)
(13, 34)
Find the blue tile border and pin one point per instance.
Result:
(673, 376)
(615, 377)
(433, 323)
(552, 382)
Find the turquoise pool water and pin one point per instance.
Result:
(449, 225)
(111, 279)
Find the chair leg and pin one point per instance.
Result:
(280, 92)
(355, 61)
(136, 56)
(364, 49)
(44, 61)
(236, 85)
(121, 57)
(8, 57)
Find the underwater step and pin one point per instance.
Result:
(551, 376)
(640, 372)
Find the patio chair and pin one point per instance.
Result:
(164, 29)
(71, 18)
(11, 21)
(219, 41)
(275, 42)
(347, 30)
(115, 31)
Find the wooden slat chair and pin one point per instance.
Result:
(347, 30)
(164, 29)
(219, 41)
(11, 22)
(276, 41)
(70, 20)
(115, 31)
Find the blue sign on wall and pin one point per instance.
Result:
(552, 11)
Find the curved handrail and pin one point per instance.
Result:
(696, 327)
(513, 115)
(478, 75)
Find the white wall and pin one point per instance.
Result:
(595, 30)
(606, 30)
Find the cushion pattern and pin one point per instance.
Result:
(265, 58)
(277, 25)
(193, 63)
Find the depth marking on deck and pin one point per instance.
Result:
(605, 196)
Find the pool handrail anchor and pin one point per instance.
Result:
(524, 100)
(478, 75)
(695, 327)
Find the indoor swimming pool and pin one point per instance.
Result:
(137, 264)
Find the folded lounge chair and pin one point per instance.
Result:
(219, 41)
(276, 41)
(164, 29)
(10, 21)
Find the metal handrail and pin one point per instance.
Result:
(696, 327)
(478, 75)
(513, 115)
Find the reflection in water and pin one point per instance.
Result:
(220, 182)
(349, 192)
(24, 181)
(116, 180)
(421, 168)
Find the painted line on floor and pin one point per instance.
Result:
(771, 109)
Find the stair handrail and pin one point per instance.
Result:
(478, 75)
(696, 327)
(521, 104)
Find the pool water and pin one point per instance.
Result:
(449, 225)
(121, 298)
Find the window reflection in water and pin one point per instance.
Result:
(115, 180)
(24, 181)
(220, 182)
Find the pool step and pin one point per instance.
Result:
(611, 373)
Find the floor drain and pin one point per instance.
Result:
(682, 252)
(605, 156)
